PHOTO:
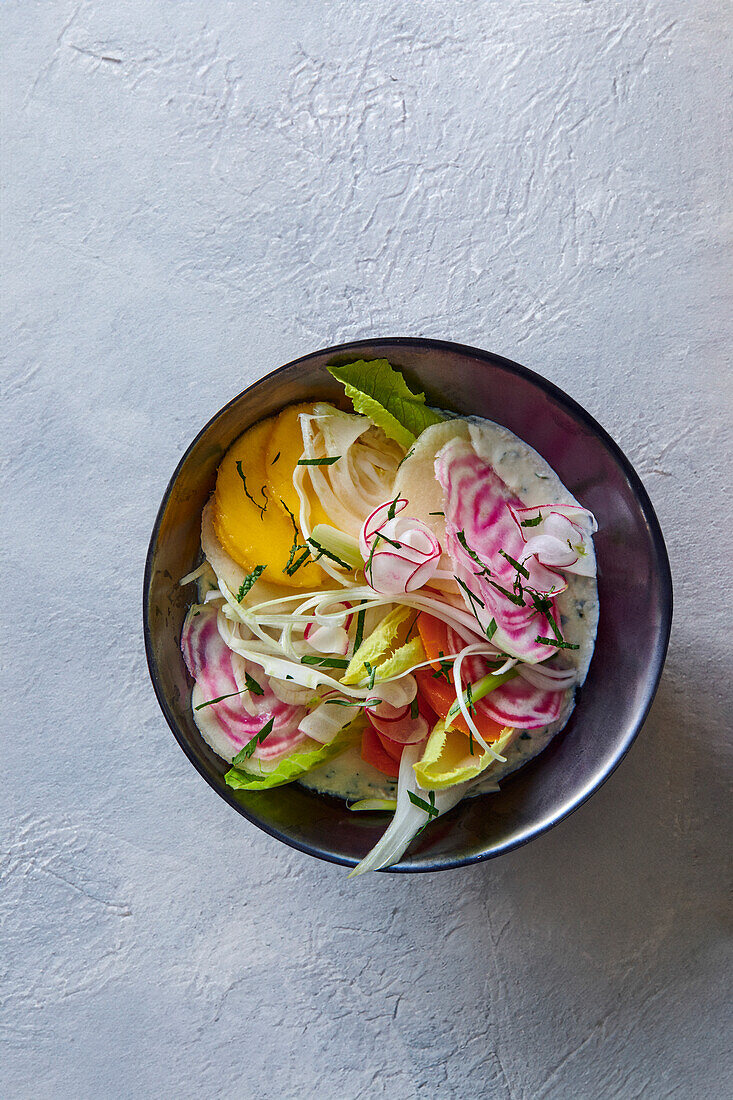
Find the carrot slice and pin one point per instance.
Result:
(441, 696)
(374, 753)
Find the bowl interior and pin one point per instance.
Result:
(634, 591)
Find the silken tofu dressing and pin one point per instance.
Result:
(535, 483)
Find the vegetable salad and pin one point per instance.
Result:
(389, 595)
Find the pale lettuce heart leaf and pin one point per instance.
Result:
(447, 759)
(297, 764)
(376, 647)
(380, 392)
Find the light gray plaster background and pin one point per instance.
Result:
(194, 194)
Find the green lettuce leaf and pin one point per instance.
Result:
(380, 392)
(297, 764)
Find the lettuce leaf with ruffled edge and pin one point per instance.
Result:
(297, 764)
(447, 758)
(380, 392)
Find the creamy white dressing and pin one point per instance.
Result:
(535, 483)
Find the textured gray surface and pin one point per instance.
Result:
(195, 193)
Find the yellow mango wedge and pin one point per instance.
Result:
(447, 758)
(250, 535)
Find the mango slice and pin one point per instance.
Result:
(256, 529)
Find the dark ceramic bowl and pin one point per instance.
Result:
(634, 584)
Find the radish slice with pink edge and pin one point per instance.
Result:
(570, 529)
(522, 705)
(476, 502)
(209, 662)
(401, 552)
(403, 731)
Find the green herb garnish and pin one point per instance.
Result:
(429, 807)
(324, 553)
(461, 536)
(556, 643)
(318, 461)
(359, 632)
(414, 708)
(436, 513)
(532, 522)
(519, 568)
(298, 562)
(491, 629)
(296, 546)
(372, 672)
(524, 737)
(324, 662)
(252, 686)
(472, 597)
(249, 580)
(275, 459)
(262, 507)
(393, 508)
(250, 747)
(513, 596)
(210, 702)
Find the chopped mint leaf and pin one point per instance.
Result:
(249, 580)
(324, 662)
(318, 461)
(250, 747)
(262, 507)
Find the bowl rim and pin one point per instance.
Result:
(663, 571)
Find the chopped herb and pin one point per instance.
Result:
(196, 613)
(262, 507)
(470, 742)
(391, 511)
(429, 807)
(461, 536)
(519, 568)
(436, 513)
(491, 629)
(323, 552)
(252, 686)
(472, 597)
(513, 596)
(210, 702)
(359, 632)
(324, 662)
(557, 644)
(249, 580)
(353, 702)
(532, 522)
(411, 628)
(296, 546)
(524, 737)
(414, 708)
(444, 670)
(298, 562)
(250, 747)
(379, 535)
(275, 459)
(318, 461)
(372, 674)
